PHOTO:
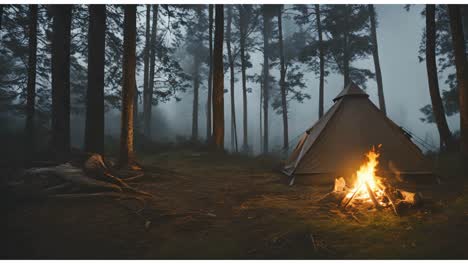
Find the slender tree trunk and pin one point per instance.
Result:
(128, 92)
(210, 77)
(218, 80)
(196, 88)
(146, 98)
(461, 65)
(31, 88)
(61, 81)
(375, 54)
(437, 106)
(283, 81)
(261, 116)
(148, 111)
(346, 76)
(94, 130)
(135, 110)
(321, 59)
(232, 80)
(243, 33)
(266, 76)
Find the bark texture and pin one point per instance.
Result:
(94, 130)
(146, 117)
(196, 89)
(126, 157)
(242, 42)
(375, 55)
(461, 65)
(61, 81)
(231, 80)
(31, 88)
(210, 77)
(266, 75)
(284, 105)
(218, 80)
(149, 93)
(321, 59)
(437, 106)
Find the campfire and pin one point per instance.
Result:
(370, 190)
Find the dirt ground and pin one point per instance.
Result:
(211, 206)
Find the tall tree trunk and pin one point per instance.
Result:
(210, 77)
(196, 88)
(321, 59)
(135, 110)
(128, 92)
(375, 54)
(94, 130)
(232, 80)
(148, 106)
(437, 107)
(243, 36)
(218, 80)
(61, 81)
(283, 81)
(461, 65)
(146, 99)
(31, 90)
(261, 116)
(346, 77)
(266, 76)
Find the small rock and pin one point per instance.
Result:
(147, 224)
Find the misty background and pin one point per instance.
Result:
(405, 86)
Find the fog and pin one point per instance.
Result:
(404, 81)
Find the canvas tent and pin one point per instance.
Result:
(336, 144)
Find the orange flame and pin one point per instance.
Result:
(366, 176)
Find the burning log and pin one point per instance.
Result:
(371, 189)
(372, 196)
(390, 198)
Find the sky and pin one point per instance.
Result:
(404, 82)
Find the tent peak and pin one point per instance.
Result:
(351, 90)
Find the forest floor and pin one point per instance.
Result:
(212, 206)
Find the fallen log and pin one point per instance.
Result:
(76, 176)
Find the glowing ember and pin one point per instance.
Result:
(366, 184)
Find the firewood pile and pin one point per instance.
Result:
(381, 196)
(92, 176)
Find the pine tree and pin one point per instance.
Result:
(218, 80)
(349, 40)
(231, 62)
(31, 86)
(94, 126)
(146, 99)
(61, 81)
(284, 105)
(127, 157)
(210, 77)
(461, 65)
(433, 80)
(375, 55)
